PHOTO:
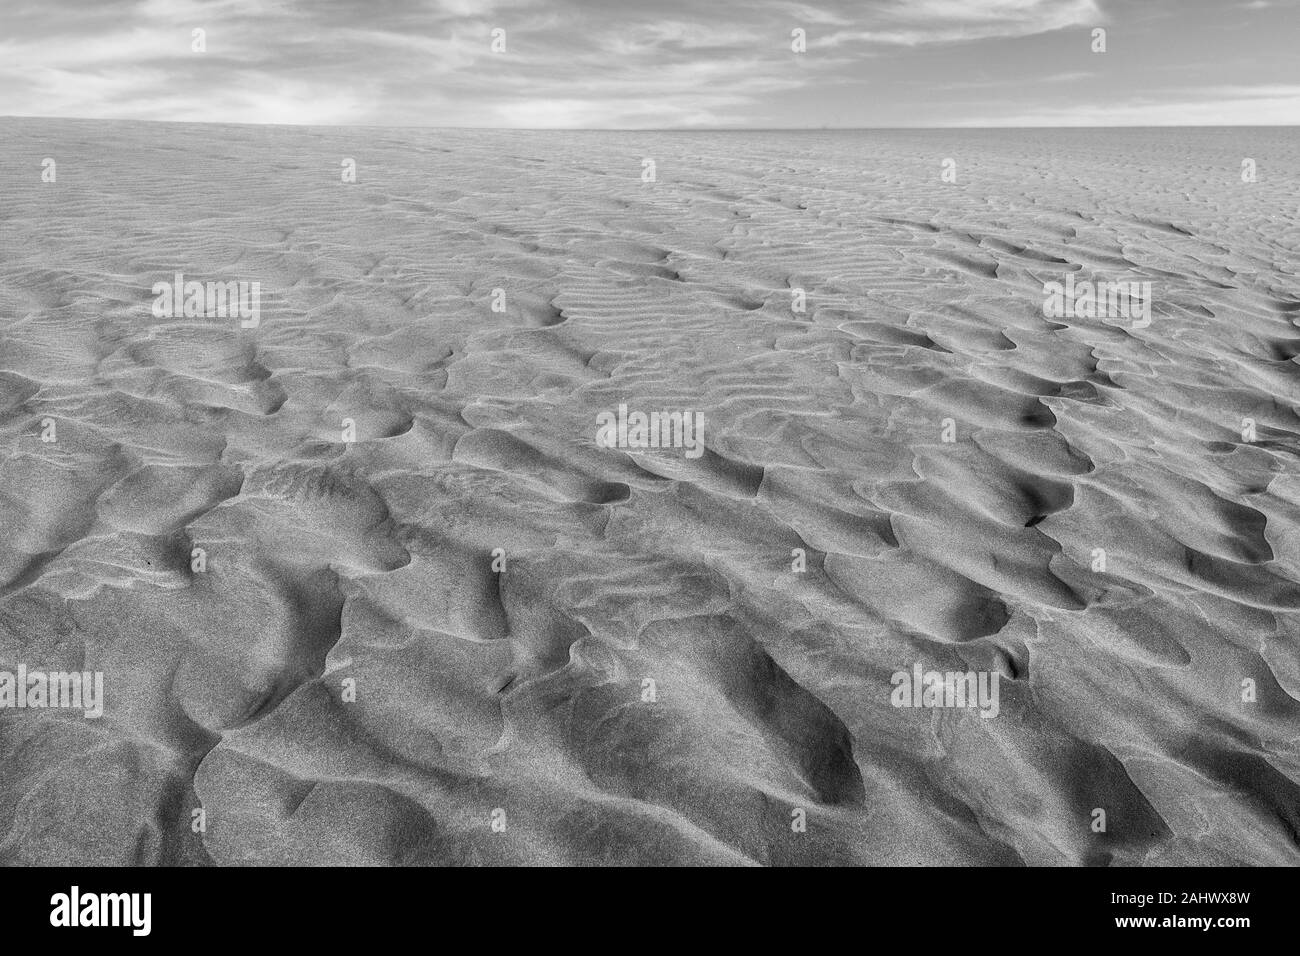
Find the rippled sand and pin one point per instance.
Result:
(639, 675)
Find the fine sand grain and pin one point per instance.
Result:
(568, 653)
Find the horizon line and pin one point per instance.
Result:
(652, 129)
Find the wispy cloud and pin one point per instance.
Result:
(597, 63)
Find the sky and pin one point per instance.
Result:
(630, 64)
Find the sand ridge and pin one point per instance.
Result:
(607, 651)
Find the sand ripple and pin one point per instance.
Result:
(608, 651)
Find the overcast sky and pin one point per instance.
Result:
(667, 63)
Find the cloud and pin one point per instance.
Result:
(595, 63)
(918, 22)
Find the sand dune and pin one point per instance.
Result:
(564, 653)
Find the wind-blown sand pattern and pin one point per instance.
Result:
(520, 695)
